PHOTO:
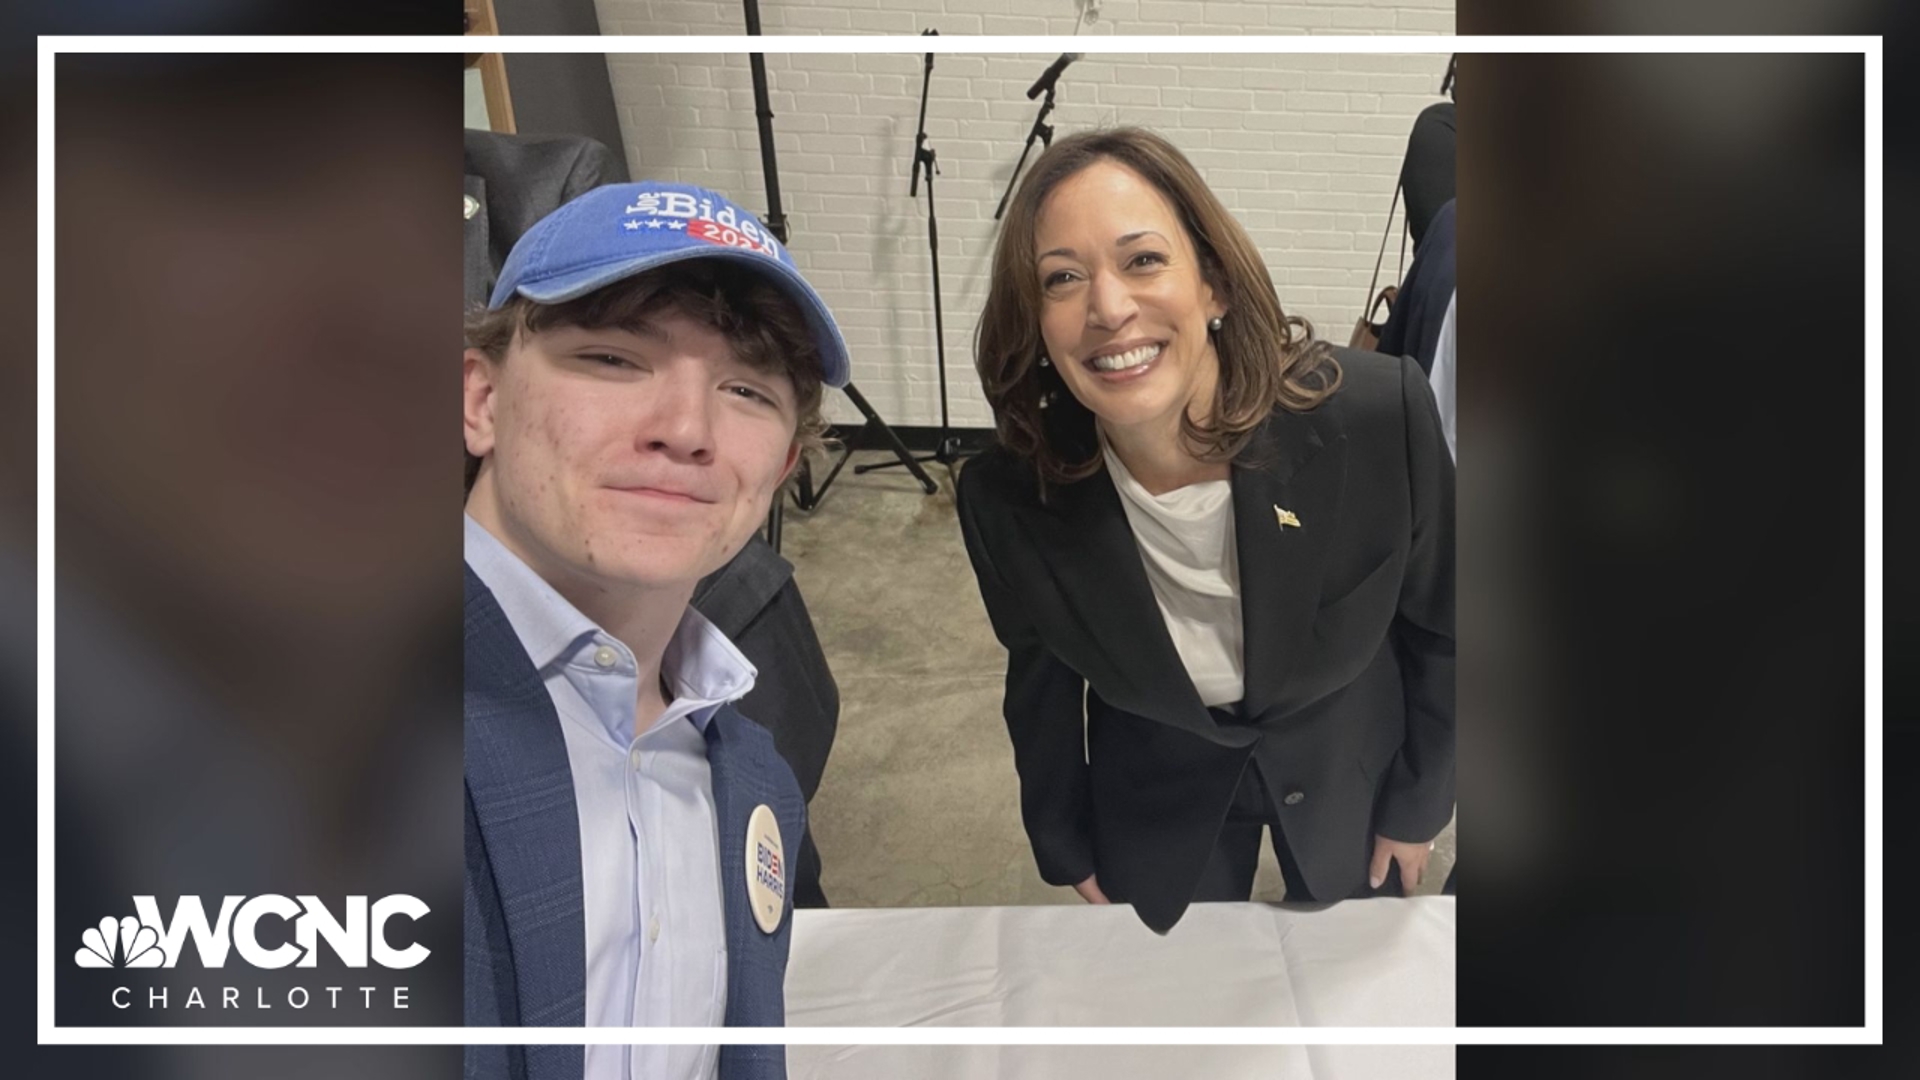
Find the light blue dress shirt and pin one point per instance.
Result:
(655, 919)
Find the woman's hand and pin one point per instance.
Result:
(1089, 891)
(1411, 857)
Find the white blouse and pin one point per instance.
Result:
(1186, 543)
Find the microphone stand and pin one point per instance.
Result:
(806, 495)
(1042, 131)
(947, 450)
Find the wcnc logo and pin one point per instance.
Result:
(357, 937)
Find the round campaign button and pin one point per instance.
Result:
(766, 869)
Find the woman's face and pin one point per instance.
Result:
(1123, 305)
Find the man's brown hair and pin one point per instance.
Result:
(760, 322)
(1268, 359)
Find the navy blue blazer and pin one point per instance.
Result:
(525, 929)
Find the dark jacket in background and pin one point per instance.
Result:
(1413, 329)
(1426, 175)
(514, 181)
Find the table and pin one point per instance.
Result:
(1353, 964)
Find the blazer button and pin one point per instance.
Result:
(1294, 798)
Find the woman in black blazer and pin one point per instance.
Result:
(1219, 553)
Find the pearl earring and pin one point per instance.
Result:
(1045, 362)
(1213, 324)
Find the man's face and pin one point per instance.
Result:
(618, 459)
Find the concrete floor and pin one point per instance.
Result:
(920, 804)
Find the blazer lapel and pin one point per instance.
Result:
(1088, 543)
(748, 773)
(521, 784)
(1287, 490)
(732, 810)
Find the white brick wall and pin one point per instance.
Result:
(1304, 149)
(1030, 17)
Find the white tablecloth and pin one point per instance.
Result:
(1354, 964)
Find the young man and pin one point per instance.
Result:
(645, 379)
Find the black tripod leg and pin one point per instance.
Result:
(803, 493)
(899, 448)
(814, 496)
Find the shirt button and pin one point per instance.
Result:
(605, 656)
(653, 930)
(1294, 798)
(634, 757)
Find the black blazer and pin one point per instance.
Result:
(1349, 648)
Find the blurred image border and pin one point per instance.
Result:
(47, 951)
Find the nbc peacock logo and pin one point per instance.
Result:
(124, 943)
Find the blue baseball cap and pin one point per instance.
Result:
(612, 233)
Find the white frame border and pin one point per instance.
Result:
(1870, 1034)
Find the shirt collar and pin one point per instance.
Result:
(704, 669)
(549, 627)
